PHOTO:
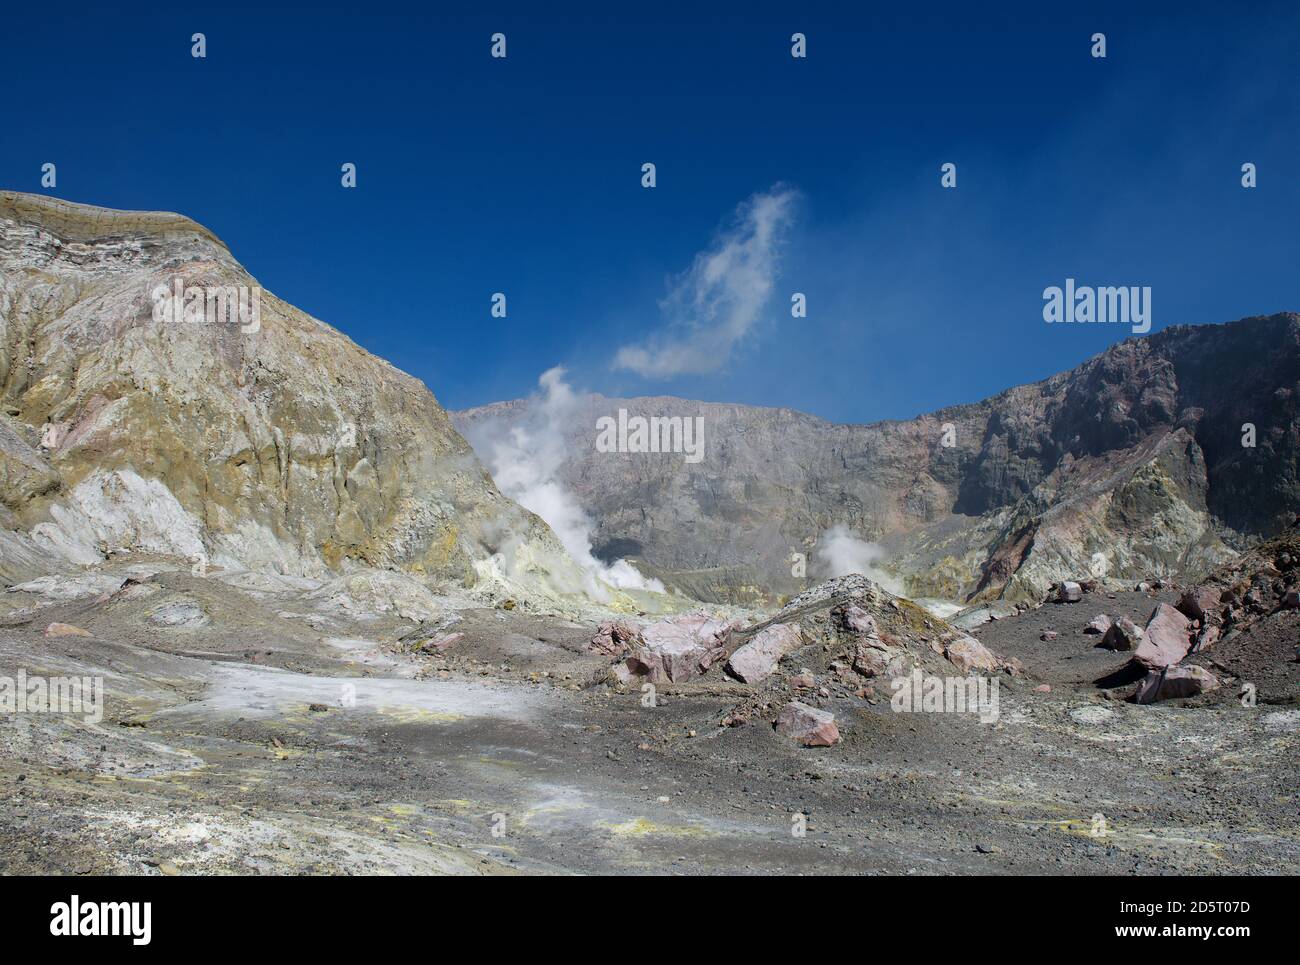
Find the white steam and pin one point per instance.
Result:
(713, 305)
(840, 551)
(525, 461)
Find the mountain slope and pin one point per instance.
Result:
(278, 445)
(1130, 466)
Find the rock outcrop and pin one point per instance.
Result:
(1128, 467)
(132, 419)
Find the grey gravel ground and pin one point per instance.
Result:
(500, 756)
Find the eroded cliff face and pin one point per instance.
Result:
(279, 445)
(1129, 466)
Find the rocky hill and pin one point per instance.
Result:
(131, 421)
(1130, 466)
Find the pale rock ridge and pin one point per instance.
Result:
(288, 448)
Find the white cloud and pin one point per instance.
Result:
(713, 305)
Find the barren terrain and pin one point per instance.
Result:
(211, 759)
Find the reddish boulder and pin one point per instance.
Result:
(1123, 634)
(1199, 603)
(614, 638)
(1175, 682)
(757, 659)
(857, 620)
(678, 648)
(877, 659)
(1207, 638)
(1098, 624)
(1166, 639)
(65, 630)
(967, 654)
(807, 725)
(442, 643)
(647, 664)
(803, 681)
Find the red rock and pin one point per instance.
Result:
(858, 620)
(757, 659)
(807, 725)
(442, 643)
(1176, 682)
(1043, 689)
(1207, 638)
(681, 661)
(1098, 624)
(614, 638)
(647, 664)
(677, 647)
(803, 681)
(967, 654)
(1200, 602)
(877, 660)
(710, 658)
(1123, 634)
(1166, 639)
(66, 630)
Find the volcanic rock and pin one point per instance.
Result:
(278, 444)
(1123, 634)
(1166, 640)
(877, 659)
(66, 630)
(1069, 592)
(967, 654)
(1208, 637)
(679, 647)
(857, 620)
(759, 657)
(1098, 624)
(1199, 603)
(807, 725)
(1175, 682)
(614, 638)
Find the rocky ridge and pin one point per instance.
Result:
(1128, 467)
(279, 446)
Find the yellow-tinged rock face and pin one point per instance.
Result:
(141, 407)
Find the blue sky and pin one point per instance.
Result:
(523, 175)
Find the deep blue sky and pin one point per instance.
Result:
(479, 175)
